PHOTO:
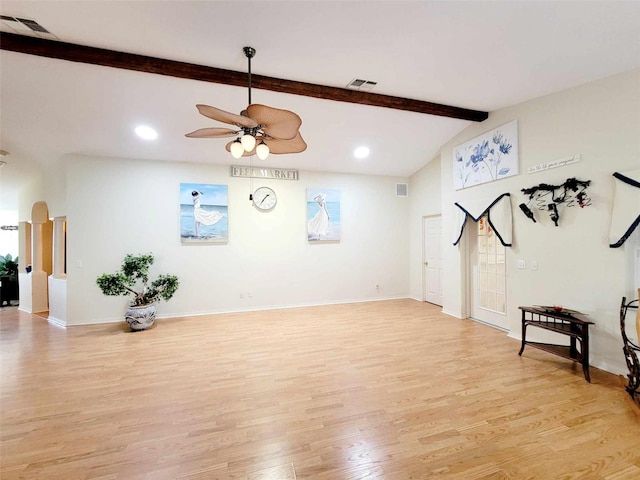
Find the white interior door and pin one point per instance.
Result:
(486, 274)
(432, 259)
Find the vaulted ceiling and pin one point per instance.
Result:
(478, 56)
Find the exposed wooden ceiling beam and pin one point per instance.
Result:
(142, 63)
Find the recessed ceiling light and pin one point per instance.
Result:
(361, 152)
(148, 133)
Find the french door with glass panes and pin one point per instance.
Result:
(487, 275)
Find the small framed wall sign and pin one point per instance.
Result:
(203, 213)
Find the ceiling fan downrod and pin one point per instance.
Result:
(249, 52)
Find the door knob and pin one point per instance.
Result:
(426, 264)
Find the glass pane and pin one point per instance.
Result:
(482, 260)
(491, 300)
(501, 284)
(491, 264)
(482, 244)
(491, 283)
(491, 241)
(501, 303)
(483, 298)
(481, 227)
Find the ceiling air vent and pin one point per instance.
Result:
(24, 26)
(402, 189)
(359, 84)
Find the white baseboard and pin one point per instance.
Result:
(57, 322)
(451, 314)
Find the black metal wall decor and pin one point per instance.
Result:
(625, 217)
(631, 352)
(548, 197)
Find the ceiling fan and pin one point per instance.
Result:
(261, 129)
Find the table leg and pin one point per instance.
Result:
(524, 334)
(585, 353)
(573, 351)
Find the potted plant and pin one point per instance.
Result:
(133, 279)
(8, 279)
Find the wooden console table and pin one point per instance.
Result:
(573, 325)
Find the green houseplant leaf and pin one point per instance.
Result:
(8, 266)
(133, 279)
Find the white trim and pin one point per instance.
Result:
(482, 322)
(57, 322)
(454, 315)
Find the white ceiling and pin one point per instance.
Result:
(478, 55)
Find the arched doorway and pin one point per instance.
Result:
(36, 240)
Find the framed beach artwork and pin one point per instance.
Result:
(489, 157)
(203, 213)
(323, 215)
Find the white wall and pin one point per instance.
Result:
(9, 238)
(115, 207)
(32, 192)
(577, 269)
(426, 200)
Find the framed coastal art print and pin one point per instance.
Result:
(323, 215)
(203, 213)
(488, 157)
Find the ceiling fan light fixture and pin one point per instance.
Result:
(262, 150)
(237, 150)
(248, 142)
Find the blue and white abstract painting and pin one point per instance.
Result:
(323, 214)
(204, 213)
(489, 157)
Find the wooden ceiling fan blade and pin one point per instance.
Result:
(226, 117)
(212, 133)
(278, 146)
(277, 123)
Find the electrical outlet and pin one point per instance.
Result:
(534, 264)
(521, 264)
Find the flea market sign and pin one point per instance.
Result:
(264, 172)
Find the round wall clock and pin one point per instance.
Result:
(264, 199)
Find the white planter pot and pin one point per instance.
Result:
(140, 318)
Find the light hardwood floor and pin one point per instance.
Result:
(383, 390)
